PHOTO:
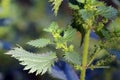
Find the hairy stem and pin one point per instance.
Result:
(85, 55)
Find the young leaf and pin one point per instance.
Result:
(73, 57)
(68, 34)
(39, 42)
(53, 26)
(86, 14)
(56, 4)
(39, 63)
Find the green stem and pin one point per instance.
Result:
(85, 55)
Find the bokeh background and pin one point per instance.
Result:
(24, 20)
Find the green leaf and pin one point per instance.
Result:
(39, 42)
(74, 7)
(69, 34)
(53, 26)
(81, 1)
(114, 26)
(107, 12)
(112, 43)
(86, 14)
(105, 33)
(73, 57)
(39, 63)
(56, 4)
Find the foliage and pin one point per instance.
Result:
(88, 15)
(73, 57)
(56, 4)
(39, 63)
(39, 42)
(35, 62)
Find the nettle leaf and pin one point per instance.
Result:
(114, 26)
(39, 63)
(74, 7)
(105, 33)
(69, 34)
(39, 42)
(81, 1)
(112, 43)
(86, 14)
(53, 26)
(56, 4)
(73, 57)
(107, 12)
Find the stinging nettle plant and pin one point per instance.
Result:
(88, 16)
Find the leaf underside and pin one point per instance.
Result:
(39, 63)
(39, 42)
(73, 57)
